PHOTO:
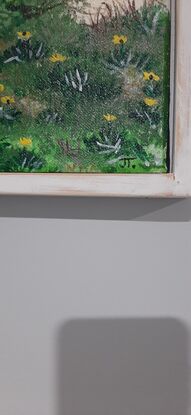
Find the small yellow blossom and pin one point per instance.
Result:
(151, 76)
(151, 102)
(57, 57)
(119, 39)
(25, 141)
(110, 117)
(7, 100)
(24, 35)
(2, 88)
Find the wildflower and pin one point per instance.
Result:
(7, 100)
(151, 102)
(2, 88)
(151, 76)
(119, 39)
(24, 35)
(110, 117)
(25, 141)
(57, 57)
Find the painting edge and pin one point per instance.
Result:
(171, 185)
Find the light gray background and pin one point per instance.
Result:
(95, 306)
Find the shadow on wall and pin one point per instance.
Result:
(153, 210)
(120, 367)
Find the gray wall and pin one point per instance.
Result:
(95, 306)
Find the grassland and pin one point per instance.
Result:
(86, 95)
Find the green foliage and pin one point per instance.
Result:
(18, 160)
(16, 12)
(24, 52)
(63, 103)
(8, 19)
(8, 114)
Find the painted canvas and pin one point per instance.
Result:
(84, 86)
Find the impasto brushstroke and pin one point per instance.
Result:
(84, 86)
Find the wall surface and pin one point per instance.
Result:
(95, 306)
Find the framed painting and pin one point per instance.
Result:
(95, 97)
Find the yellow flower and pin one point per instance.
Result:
(119, 39)
(2, 88)
(7, 100)
(57, 57)
(151, 76)
(24, 35)
(110, 117)
(25, 141)
(151, 102)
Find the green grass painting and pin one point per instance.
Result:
(84, 86)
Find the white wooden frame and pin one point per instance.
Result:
(175, 184)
